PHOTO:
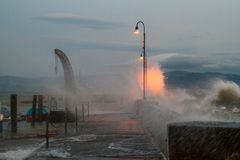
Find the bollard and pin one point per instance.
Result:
(47, 135)
(76, 114)
(88, 110)
(1, 124)
(40, 108)
(34, 110)
(13, 113)
(83, 112)
(66, 117)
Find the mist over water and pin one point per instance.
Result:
(106, 93)
(124, 86)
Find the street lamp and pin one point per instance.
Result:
(143, 57)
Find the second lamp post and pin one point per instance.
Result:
(143, 57)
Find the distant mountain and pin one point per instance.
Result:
(174, 79)
(14, 84)
(191, 80)
(94, 83)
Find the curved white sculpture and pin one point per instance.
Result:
(68, 71)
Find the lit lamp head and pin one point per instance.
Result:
(141, 57)
(136, 31)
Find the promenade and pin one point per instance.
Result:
(103, 136)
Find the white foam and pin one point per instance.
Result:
(54, 153)
(115, 146)
(17, 154)
(82, 138)
(20, 153)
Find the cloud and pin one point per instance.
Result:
(83, 22)
(182, 62)
(216, 62)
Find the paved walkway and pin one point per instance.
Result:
(100, 137)
(26, 131)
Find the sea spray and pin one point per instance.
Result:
(178, 105)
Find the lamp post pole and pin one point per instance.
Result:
(144, 57)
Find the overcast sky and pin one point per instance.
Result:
(96, 35)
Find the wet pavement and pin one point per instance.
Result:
(26, 131)
(19, 149)
(103, 136)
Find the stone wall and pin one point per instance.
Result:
(204, 140)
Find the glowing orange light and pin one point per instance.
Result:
(155, 81)
(136, 32)
(141, 57)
